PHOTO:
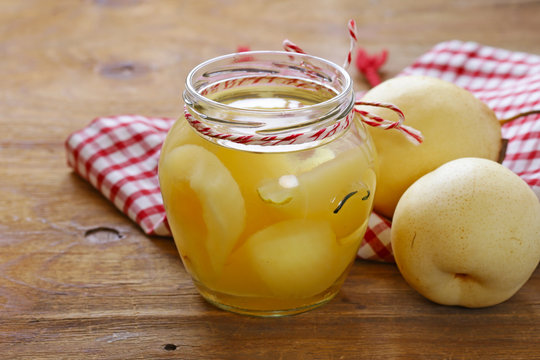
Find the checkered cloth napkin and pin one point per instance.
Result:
(118, 155)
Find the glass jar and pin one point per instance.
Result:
(268, 181)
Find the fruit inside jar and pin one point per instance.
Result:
(267, 233)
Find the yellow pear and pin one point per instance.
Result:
(467, 233)
(454, 124)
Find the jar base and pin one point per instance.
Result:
(266, 307)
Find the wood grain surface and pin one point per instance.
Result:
(78, 280)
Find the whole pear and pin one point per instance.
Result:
(454, 124)
(467, 233)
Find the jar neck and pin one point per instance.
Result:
(269, 101)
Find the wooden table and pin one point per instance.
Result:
(79, 280)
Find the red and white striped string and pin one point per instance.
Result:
(370, 119)
(271, 140)
(292, 47)
(351, 27)
(410, 133)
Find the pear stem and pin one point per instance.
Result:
(526, 113)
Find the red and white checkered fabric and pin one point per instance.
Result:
(118, 155)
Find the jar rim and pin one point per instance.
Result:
(244, 58)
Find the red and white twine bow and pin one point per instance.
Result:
(368, 118)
